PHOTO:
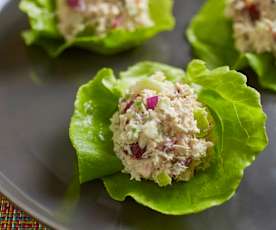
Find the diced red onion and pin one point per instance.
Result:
(128, 105)
(116, 22)
(152, 102)
(274, 34)
(168, 147)
(137, 151)
(253, 11)
(73, 3)
(188, 161)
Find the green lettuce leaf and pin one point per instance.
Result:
(239, 135)
(211, 36)
(89, 131)
(44, 32)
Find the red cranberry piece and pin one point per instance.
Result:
(73, 3)
(137, 151)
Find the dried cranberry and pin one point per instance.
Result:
(128, 105)
(73, 3)
(253, 11)
(137, 151)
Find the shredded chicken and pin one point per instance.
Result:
(101, 16)
(254, 24)
(155, 131)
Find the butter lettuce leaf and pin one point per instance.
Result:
(239, 135)
(211, 36)
(44, 32)
(89, 131)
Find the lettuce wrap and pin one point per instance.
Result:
(211, 36)
(44, 31)
(239, 135)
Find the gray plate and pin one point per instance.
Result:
(37, 160)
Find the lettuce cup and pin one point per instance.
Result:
(238, 33)
(106, 26)
(175, 142)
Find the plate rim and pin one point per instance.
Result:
(21, 200)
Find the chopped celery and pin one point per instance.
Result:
(201, 117)
(163, 179)
(147, 84)
(138, 104)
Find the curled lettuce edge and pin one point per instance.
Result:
(239, 136)
(44, 31)
(89, 128)
(211, 36)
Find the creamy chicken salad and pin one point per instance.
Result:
(101, 16)
(160, 131)
(254, 25)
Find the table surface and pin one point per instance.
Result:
(37, 159)
(12, 217)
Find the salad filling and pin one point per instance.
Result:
(160, 131)
(101, 16)
(254, 25)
